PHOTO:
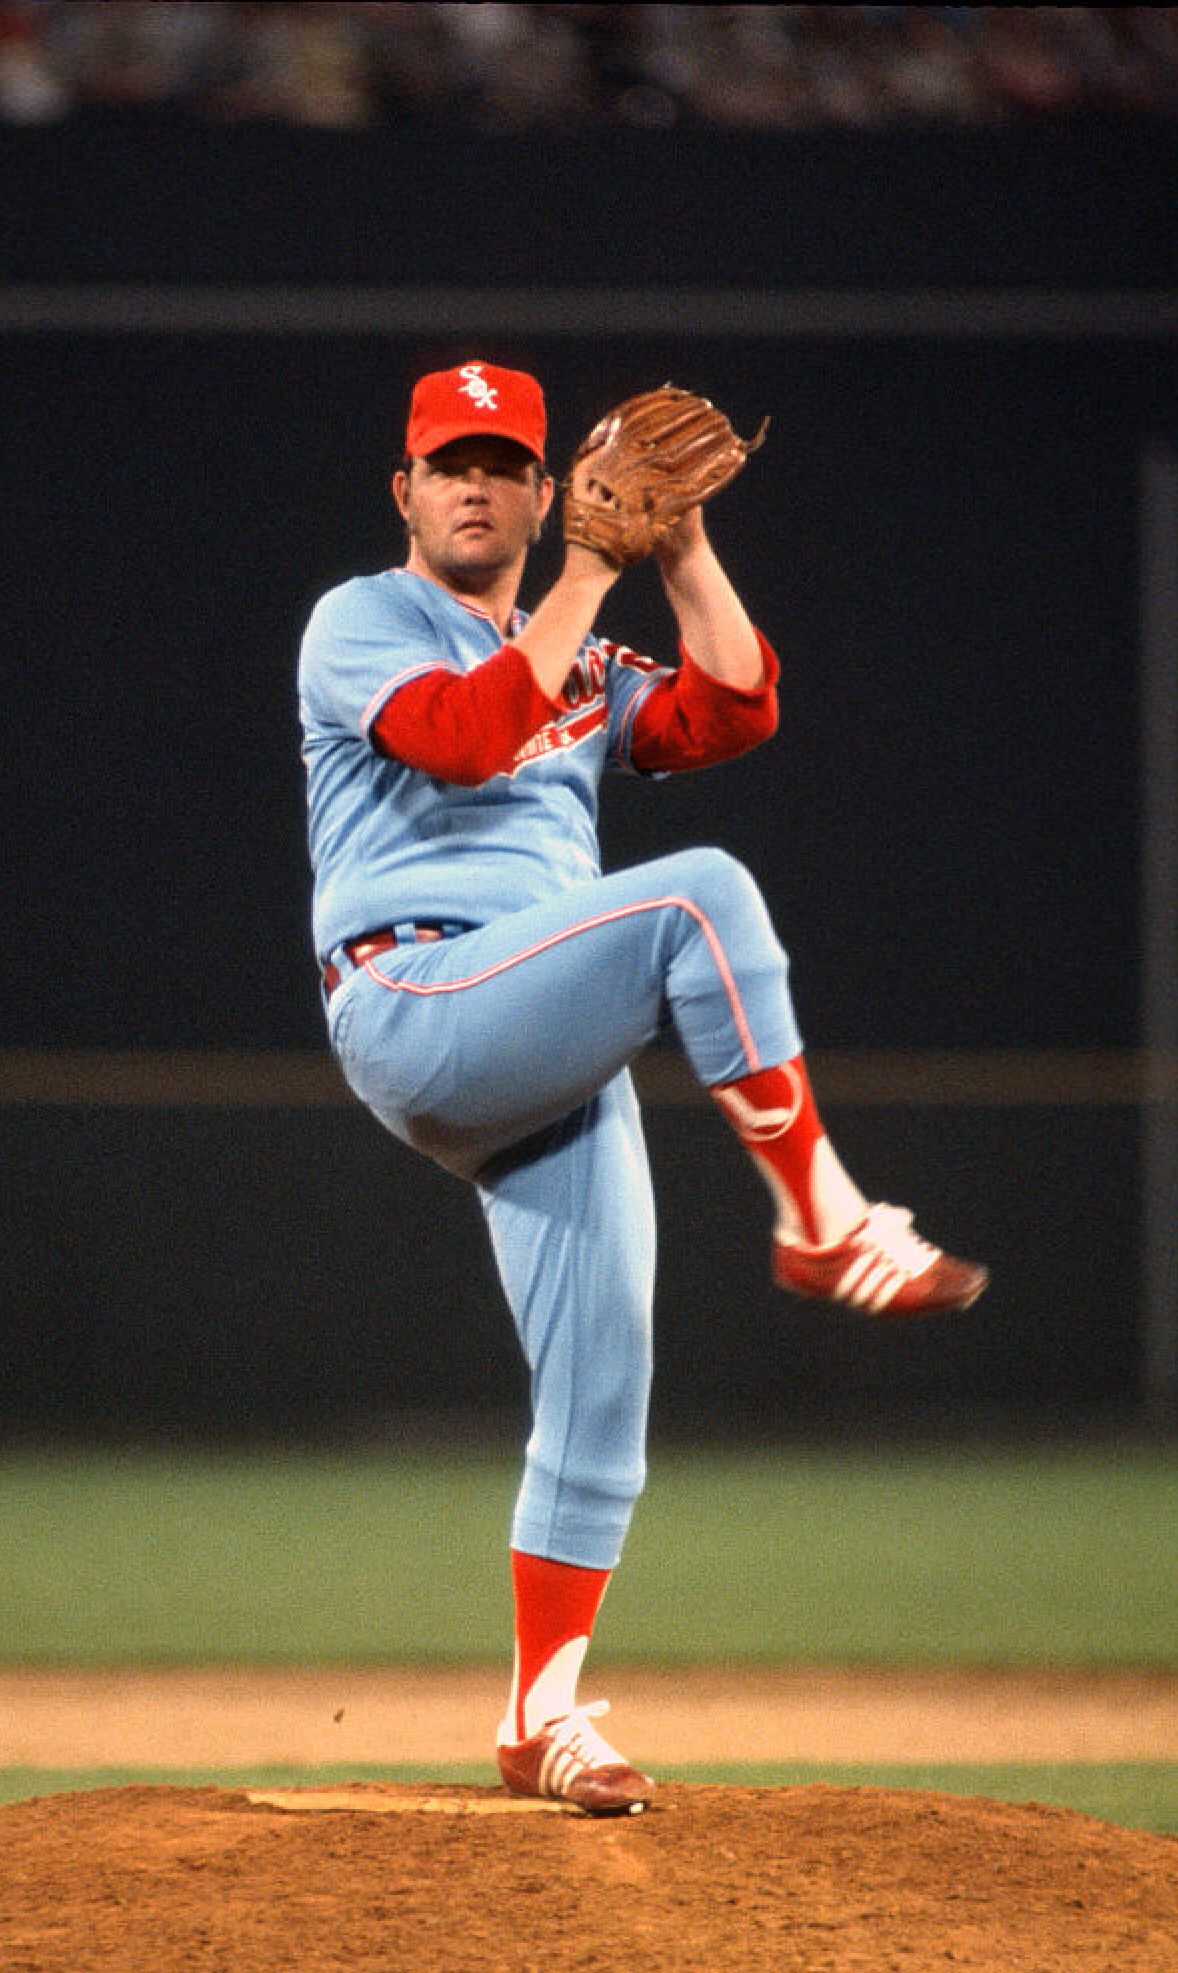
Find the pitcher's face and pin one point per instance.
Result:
(472, 509)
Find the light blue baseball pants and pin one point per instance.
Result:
(502, 1054)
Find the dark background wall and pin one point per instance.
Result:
(941, 539)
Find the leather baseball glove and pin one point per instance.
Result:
(643, 465)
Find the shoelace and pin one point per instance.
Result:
(577, 1737)
(890, 1229)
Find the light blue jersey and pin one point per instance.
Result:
(501, 1050)
(390, 843)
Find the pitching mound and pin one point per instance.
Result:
(373, 1878)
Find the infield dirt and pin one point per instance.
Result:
(368, 1876)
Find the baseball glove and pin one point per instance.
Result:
(643, 465)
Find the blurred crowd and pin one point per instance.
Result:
(344, 64)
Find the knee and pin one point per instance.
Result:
(626, 1372)
(712, 878)
(727, 897)
(589, 1424)
(611, 1383)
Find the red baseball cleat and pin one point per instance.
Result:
(881, 1266)
(569, 1760)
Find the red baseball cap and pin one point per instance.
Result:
(475, 397)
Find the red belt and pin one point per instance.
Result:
(361, 950)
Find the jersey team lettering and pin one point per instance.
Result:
(586, 680)
(554, 737)
(584, 687)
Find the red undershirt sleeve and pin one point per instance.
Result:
(464, 726)
(690, 719)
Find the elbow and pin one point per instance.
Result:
(758, 728)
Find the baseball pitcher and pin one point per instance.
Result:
(486, 986)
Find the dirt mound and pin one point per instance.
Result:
(377, 1878)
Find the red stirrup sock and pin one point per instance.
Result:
(556, 1605)
(774, 1115)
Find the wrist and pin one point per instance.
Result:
(684, 543)
(586, 571)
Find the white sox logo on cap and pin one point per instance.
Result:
(477, 388)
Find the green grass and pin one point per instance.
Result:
(206, 1558)
(1141, 1795)
(937, 1557)
(930, 1556)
